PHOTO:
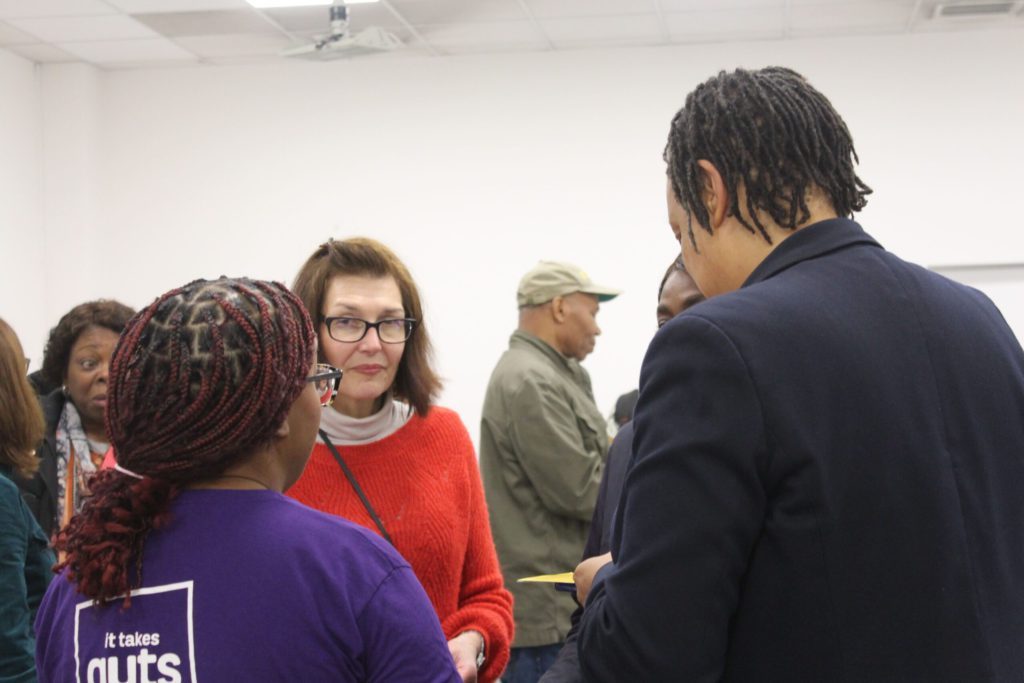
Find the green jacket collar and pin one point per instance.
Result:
(572, 367)
(519, 337)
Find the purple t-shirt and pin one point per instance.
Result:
(250, 586)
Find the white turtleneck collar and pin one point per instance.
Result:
(353, 431)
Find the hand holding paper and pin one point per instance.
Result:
(584, 575)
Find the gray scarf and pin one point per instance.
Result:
(71, 441)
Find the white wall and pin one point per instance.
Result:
(23, 294)
(74, 241)
(473, 168)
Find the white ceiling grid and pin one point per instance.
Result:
(147, 33)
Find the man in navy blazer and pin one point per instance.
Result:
(828, 479)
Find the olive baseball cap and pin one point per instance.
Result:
(549, 279)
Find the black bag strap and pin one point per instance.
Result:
(358, 489)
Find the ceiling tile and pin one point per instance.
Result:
(241, 60)
(702, 5)
(234, 45)
(12, 36)
(496, 33)
(868, 4)
(104, 52)
(545, 9)
(848, 17)
(52, 8)
(301, 18)
(67, 29)
(456, 11)
(149, 6)
(217, 22)
(42, 53)
(360, 21)
(629, 29)
(731, 24)
(150, 64)
(306, 36)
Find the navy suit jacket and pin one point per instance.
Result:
(827, 484)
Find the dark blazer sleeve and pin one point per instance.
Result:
(566, 668)
(691, 511)
(599, 538)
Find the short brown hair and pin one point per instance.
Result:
(21, 420)
(107, 313)
(416, 382)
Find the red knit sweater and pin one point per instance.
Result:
(424, 483)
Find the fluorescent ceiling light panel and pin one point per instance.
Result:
(268, 4)
(277, 4)
(288, 3)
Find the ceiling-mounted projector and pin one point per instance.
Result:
(340, 43)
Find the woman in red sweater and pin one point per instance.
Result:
(388, 459)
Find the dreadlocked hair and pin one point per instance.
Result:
(199, 380)
(771, 132)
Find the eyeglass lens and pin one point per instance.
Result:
(391, 331)
(324, 390)
(325, 386)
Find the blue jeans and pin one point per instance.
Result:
(528, 664)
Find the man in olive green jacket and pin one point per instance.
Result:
(542, 451)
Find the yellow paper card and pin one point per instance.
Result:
(549, 578)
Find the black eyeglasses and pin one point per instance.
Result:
(350, 330)
(326, 381)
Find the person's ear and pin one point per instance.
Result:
(713, 193)
(284, 430)
(558, 309)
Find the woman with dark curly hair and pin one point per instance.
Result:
(214, 402)
(76, 360)
(25, 559)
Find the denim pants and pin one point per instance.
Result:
(528, 664)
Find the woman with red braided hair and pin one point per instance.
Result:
(213, 406)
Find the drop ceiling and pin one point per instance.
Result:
(115, 34)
